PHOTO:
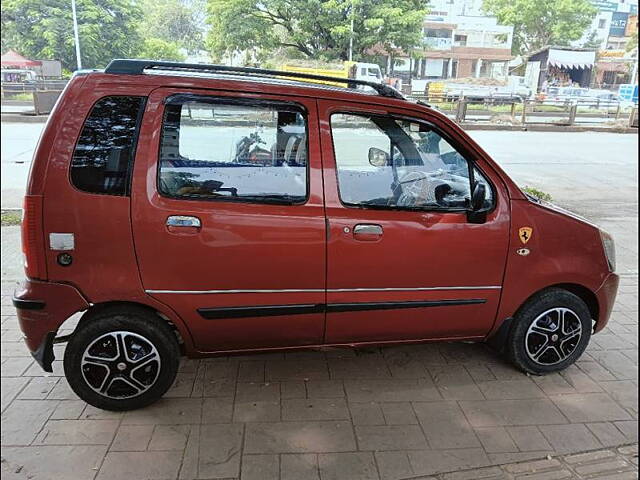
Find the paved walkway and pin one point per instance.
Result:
(410, 412)
(391, 413)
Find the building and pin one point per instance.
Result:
(610, 27)
(459, 42)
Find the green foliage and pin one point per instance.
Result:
(44, 30)
(158, 49)
(180, 22)
(538, 23)
(632, 44)
(592, 41)
(11, 217)
(539, 194)
(318, 29)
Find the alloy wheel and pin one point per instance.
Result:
(120, 365)
(553, 336)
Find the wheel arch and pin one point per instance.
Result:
(182, 336)
(498, 338)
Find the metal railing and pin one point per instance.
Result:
(14, 88)
(526, 112)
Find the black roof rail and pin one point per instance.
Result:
(137, 67)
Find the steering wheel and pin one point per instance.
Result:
(413, 187)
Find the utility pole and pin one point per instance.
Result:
(351, 36)
(75, 34)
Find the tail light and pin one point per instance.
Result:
(32, 238)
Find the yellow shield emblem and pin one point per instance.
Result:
(525, 234)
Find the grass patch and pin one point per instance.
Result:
(539, 194)
(23, 97)
(11, 217)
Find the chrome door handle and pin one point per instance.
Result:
(183, 221)
(367, 229)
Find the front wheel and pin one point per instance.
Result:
(550, 332)
(121, 359)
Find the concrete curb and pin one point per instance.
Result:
(548, 128)
(19, 118)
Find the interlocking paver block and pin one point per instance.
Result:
(489, 413)
(46, 462)
(77, 432)
(219, 451)
(528, 438)
(570, 438)
(445, 425)
(131, 438)
(299, 466)
(260, 467)
(299, 437)
(169, 437)
(390, 437)
(315, 409)
(142, 465)
(590, 407)
(391, 390)
(23, 419)
(347, 466)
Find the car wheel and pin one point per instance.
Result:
(550, 332)
(121, 359)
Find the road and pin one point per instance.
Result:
(593, 174)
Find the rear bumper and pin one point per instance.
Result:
(42, 307)
(606, 296)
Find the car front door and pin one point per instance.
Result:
(404, 262)
(228, 216)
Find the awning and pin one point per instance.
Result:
(13, 59)
(571, 58)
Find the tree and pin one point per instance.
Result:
(317, 29)
(592, 40)
(44, 30)
(158, 49)
(537, 23)
(180, 22)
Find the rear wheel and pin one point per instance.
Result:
(550, 332)
(122, 359)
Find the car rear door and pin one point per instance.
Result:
(228, 216)
(399, 269)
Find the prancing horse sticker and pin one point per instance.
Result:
(525, 234)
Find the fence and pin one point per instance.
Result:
(10, 89)
(527, 112)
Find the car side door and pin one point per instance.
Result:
(228, 216)
(405, 258)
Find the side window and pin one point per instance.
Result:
(232, 150)
(102, 159)
(387, 162)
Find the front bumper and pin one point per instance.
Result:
(42, 307)
(606, 296)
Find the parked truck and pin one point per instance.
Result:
(478, 89)
(353, 70)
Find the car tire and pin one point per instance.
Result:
(550, 332)
(122, 358)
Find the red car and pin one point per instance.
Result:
(199, 209)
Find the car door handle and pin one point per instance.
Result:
(183, 221)
(367, 232)
(183, 225)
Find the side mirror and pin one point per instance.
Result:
(478, 196)
(378, 158)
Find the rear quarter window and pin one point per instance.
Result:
(104, 153)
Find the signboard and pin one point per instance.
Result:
(604, 5)
(532, 75)
(618, 24)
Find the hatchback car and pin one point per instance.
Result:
(199, 210)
